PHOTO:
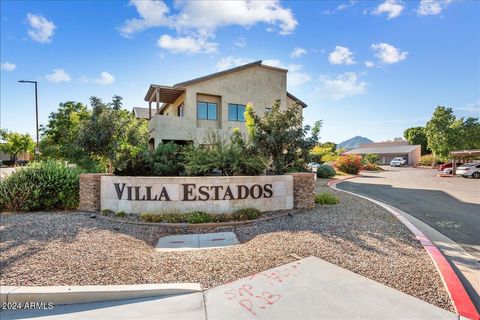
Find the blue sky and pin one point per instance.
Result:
(369, 68)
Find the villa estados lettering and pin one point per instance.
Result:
(192, 192)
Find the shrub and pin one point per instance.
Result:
(326, 198)
(45, 185)
(326, 171)
(200, 216)
(371, 167)
(330, 157)
(371, 158)
(427, 160)
(350, 164)
(106, 212)
(163, 217)
(231, 157)
(246, 214)
(120, 214)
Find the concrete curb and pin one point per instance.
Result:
(61, 295)
(461, 300)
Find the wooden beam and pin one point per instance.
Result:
(149, 110)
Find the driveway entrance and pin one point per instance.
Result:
(450, 205)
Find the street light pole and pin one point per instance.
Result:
(37, 148)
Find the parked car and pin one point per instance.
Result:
(313, 166)
(448, 170)
(398, 162)
(444, 166)
(469, 170)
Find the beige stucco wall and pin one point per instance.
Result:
(414, 156)
(260, 86)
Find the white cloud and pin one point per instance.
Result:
(471, 107)
(341, 55)
(58, 75)
(197, 21)
(41, 29)
(346, 5)
(387, 53)
(432, 7)
(392, 8)
(295, 76)
(231, 62)
(7, 66)
(298, 52)
(369, 64)
(341, 86)
(152, 14)
(241, 42)
(186, 44)
(105, 79)
(273, 63)
(341, 7)
(206, 16)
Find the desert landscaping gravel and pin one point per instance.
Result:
(73, 249)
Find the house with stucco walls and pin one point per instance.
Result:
(187, 111)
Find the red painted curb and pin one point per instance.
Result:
(461, 300)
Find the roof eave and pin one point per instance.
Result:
(300, 102)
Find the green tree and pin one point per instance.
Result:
(442, 132)
(417, 135)
(113, 136)
(14, 143)
(324, 152)
(279, 136)
(116, 102)
(59, 136)
(470, 133)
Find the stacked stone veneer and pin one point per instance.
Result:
(90, 191)
(303, 190)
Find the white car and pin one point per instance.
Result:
(448, 171)
(469, 170)
(313, 166)
(398, 162)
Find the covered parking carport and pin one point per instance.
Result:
(464, 156)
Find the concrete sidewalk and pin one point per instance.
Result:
(185, 307)
(310, 288)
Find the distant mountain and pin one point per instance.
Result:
(353, 143)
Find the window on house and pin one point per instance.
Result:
(180, 110)
(206, 110)
(235, 112)
(268, 109)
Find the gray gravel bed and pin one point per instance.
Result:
(72, 249)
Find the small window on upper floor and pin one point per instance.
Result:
(236, 112)
(268, 109)
(206, 110)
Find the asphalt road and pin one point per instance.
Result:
(449, 205)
